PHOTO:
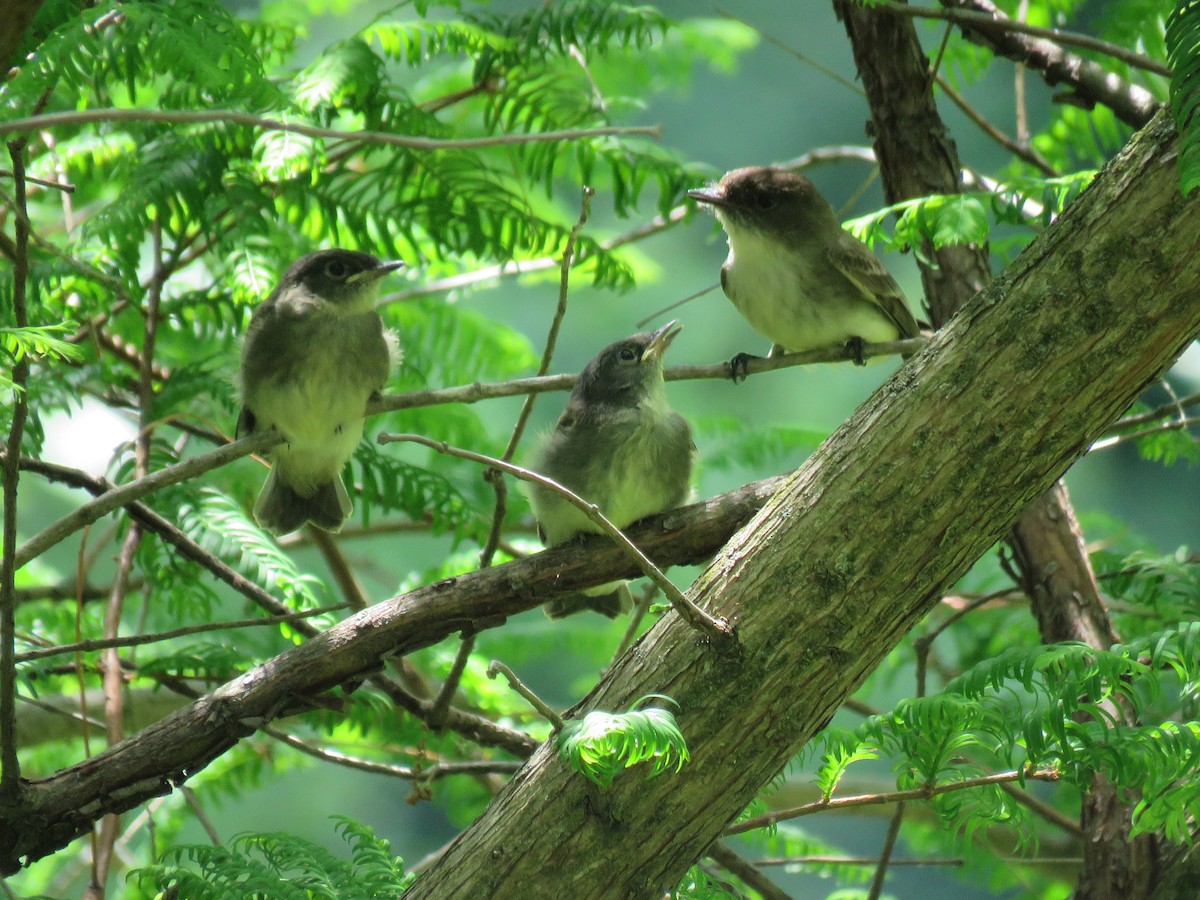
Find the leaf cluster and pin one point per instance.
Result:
(279, 866)
(601, 744)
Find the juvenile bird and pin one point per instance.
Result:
(315, 352)
(618, 445)
(800, 280)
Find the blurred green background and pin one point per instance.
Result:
(772, 107)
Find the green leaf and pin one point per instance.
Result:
(602, 744)
(1183, 54)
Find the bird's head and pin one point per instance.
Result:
(348, 279)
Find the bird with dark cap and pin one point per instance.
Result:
(794, 273)
(315, 352)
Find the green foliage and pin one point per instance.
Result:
(275, 866)
(1050, 708)
(201, 218)
(222, 527)
(601, 744)
(1183, 53)
(697, 884)
(1162, 588)
(969, 218)
(1169, 446)
(39, 341)
(727, 442)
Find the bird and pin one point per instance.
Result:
(315, 353)
(794, 273)
(619, 445)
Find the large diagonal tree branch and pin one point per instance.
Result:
(915, 156)
(910, 490)
(50, 812)
(862, 539)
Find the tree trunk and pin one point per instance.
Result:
(862, 540)
(917, 158)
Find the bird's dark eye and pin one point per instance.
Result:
(336, 269)
(627, 354)
(765, 201)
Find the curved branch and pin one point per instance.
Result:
(55, 810)
(1090, 82)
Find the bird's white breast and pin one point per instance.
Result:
(779, 293)
(319, 409)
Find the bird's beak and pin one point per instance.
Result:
(661, 340)
(376, 273)
(713, 196)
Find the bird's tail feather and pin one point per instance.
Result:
(281, 510)
(610, 604)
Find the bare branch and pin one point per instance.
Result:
(927, 792)
(135, 490)
(10, 768)
(995, 20)
(695, 616)
(233, 117)
(473, 393)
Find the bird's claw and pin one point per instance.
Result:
(854, 350)
(739, 366)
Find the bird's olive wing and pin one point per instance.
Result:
(860, 266)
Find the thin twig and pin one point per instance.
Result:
(193, 803)
(441, 703)
(807, 60)
(729, 859)
(1020, 102)
(885, 853)
(412, 773)
(10, 769)
(1153, 415)
(1017, 148)
(922, 793)
(140, 487)
(57, 185)
(985, 22)
(695, 295)
(1174, 425)
(696, 617)
(233, 117)
(932, 861)
(343, 573)
(495, 667)
(138, 640)
(640, 608)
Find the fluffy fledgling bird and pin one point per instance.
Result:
(618, 445)
(315, 353)
(794, 273)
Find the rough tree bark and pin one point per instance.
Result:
(862, 539)
(917, 158)
(50, 812)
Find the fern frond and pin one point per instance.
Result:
(40, 341)
(1183, 53)
(388, 484)
(219, 525)
(193, 47)
(415, 42)
(283, 866)
(602, 744)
